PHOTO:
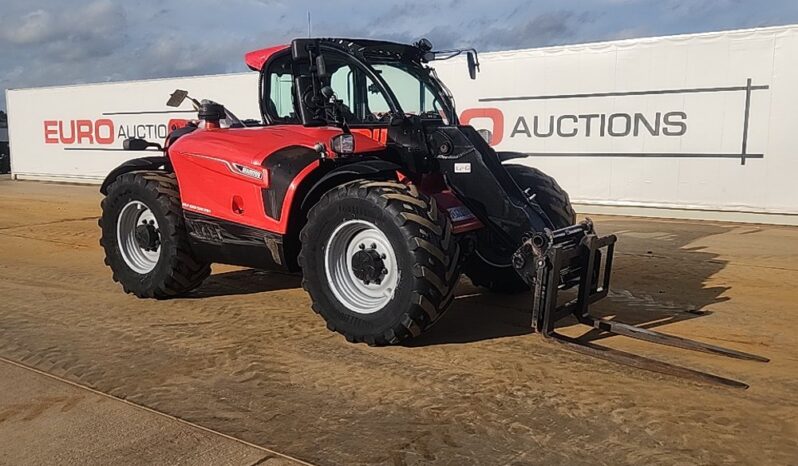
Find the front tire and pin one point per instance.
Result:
(379, 261)
(145, 239)
(491, 266)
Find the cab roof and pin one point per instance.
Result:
(368, 47)
(257, 58)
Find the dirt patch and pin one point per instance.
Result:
(245, 355)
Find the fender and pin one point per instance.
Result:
(310, 189)
(144, 163)
(505, 156)
(363, 168)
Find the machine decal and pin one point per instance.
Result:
(196, 208)
(237, 168)
(378, 134)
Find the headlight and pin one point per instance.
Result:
(343, 144)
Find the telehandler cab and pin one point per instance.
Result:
(360, 176)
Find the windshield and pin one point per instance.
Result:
(370, 91)
(417, 92)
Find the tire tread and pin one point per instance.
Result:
(437, 267)
(555, 203)
(184, 272)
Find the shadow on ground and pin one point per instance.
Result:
(658, 280)
(243, 282)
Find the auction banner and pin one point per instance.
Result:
(689, 122)
(75, 133)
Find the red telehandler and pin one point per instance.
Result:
(360, 176)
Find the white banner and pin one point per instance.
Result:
(75, 133)
(691, 122)
(702, 122)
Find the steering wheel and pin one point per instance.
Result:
(308, 97)
(380, 117)
(430, 114)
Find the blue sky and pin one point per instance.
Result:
(47, 42)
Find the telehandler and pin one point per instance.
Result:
(359, 175)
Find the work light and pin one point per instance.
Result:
(343, 144)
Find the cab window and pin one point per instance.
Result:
(279, 100)
(363, 100)
(413, 94)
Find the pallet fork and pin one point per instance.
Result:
(577, 256)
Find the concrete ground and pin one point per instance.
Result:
(244, 356)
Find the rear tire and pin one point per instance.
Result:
(490, 266)
(411, 257)
(163, 268)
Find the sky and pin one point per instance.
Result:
(51, 42)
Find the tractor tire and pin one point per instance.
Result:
(145, 239)
(491, 266)
(379, 261)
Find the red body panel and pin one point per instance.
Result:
(463, 220)
(208, 165)
(208, 184)
(257, 58)
(176, 123)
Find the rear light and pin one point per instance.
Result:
(343, 144)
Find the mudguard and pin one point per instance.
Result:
(144, 163)
(363, 168)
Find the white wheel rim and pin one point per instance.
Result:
(356, 295)
(139, 259)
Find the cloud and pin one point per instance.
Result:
(34, 28)
(93, 28)
(551, 28)
(96, 41)
(49, 42)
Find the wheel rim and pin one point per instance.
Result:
(138, 237)
(349, 272)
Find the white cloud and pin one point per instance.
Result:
(34, 28)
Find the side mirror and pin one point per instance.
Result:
(177, 98)
(321, 66)
(139, 144)
(473, 64)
